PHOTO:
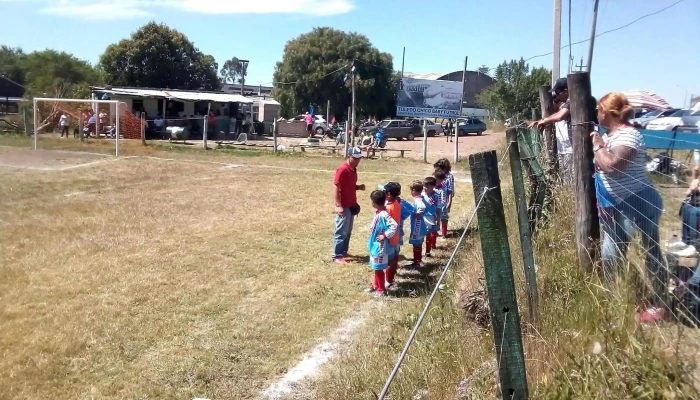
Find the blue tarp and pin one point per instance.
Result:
(671, 140)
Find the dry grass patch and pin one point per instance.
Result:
(148, 278)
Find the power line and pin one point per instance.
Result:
(308, 80)
(612, 30)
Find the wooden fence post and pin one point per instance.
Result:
(523, 224)
(582, 115)
(550, 133)
(538, 183)
(503, 305)
(143, 130)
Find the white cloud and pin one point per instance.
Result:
(119, 9)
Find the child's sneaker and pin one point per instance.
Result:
(428, 255)
(379, 294)
(388, 284)
(371, 289)
(340, 260)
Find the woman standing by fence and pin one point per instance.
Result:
(626, 199)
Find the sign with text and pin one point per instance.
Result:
(421, 98)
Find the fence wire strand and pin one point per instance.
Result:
(436, 289)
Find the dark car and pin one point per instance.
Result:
(396, 129)
(470, 125)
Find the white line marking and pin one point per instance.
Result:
(73, 194)
(51, 169)
(312, 361)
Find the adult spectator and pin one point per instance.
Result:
(346, 207)
(64, 124)
(626, 199)
(309, 119)
(560, 93)
(448, 130)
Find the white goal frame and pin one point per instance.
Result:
(90, 101)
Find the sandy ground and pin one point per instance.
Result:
(45, 159)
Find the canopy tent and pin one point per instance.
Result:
(178, 95)
(642, 99)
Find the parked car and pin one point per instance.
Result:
(641, 122)
(396, 129)
(470, 125)
(680, 118)
(319, 125)
(432, 127)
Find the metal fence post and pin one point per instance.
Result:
(275, 130)
(498, 268)
(425, 140)
(550, 132)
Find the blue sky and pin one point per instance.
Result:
(660, 53)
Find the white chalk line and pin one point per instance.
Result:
(312, 361)
(56, 169)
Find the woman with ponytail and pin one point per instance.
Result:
(626, 200)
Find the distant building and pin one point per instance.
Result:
(475, 82)
(261, 91)
(11, 94)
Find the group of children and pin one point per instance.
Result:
(429, 206)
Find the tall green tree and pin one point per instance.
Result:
(516, 91)
(483, 70)
(159, 57)
(233, 71)
(12, 63)
(316, 67)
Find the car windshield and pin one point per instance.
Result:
(680, 113)
(384, 123)
(651, 114)
(667, 113)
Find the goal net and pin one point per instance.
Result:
(64, 123)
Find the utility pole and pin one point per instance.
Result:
(461, 106)
(403, 59)
(592, 42)
(557, 41)
(244, 69)
(328, 114)
(353, 102)
(581, 66)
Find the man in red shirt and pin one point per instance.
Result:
(346, 207)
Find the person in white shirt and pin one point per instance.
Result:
(64, 124)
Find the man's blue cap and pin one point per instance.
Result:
(355, 152)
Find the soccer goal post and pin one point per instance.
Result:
(57, 120)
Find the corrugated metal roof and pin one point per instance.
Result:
(429, 76)
(177, 95)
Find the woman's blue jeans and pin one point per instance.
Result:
(639, 211)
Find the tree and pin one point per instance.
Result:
(516, 90)
(233, 71)
(159, 57)
(12, 63)
(58, 73)
(316, 66)
(483, 70)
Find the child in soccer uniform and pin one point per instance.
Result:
(418, 225)
(431, 216)
(393, 206)
(443, 191)
(382, 230)
(444, 165)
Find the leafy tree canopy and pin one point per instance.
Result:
(484, 70)
(316, 66)
(48, 72)
(159, 57)
(516, 91)
(233, 71)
